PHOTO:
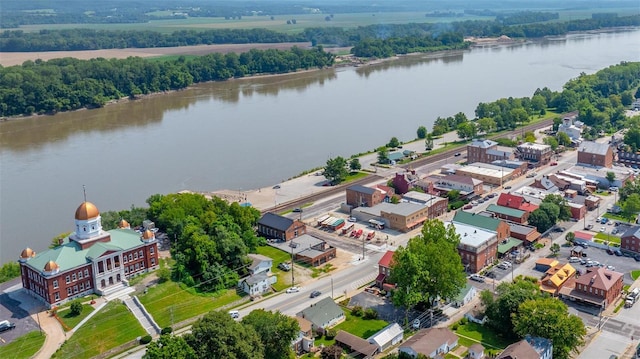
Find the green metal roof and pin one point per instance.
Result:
(511, 212)
(70, 255)
(395, 156)
(477, 220)
(463, 293)
(506, 247)
(322, 312)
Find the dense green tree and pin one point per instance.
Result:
(570, 237)
(540, 220)
(428, 142)
(555, 249)
(421, 132)
(631, 206)
(336, 170)
(563, 139)
(549, 318)
(275, 330)
(551, 141)
(394, 142)
(529, 136)
(538, 103)
(217, 335)
(486, 124)
(8, 271)
(632, 137)
(75, 308)
(561, 202)
(383, 155)
(467, 130)
(505, 306)
(169, 347)
(611, 177)
(429, 267)
(551, 210)
(354, 165)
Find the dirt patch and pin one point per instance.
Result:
(17, 58)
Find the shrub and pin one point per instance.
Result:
(464, 321)
(330, 334)
(164, 274)
(166, 330)
(383, 293)
(454, 327)
(146, 339)
(76, 308)
(370, 313)
(357, 311)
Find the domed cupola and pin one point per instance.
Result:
(88, 221)
(26, 254)
(51, 268)
(148, 236)
(124, 224)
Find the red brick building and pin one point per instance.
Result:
(361, 196)
(631, 239)
(273, 226)
(595, 154)
(384, 270)
(88, 261)
(516, 202)
(598, 286)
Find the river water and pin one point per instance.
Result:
(250, 133)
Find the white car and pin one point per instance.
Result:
(416, 324)
(477, 278)
(293, 290)
(352, 219)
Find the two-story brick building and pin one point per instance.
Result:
(630, 240)
(90, 260)
(274, 226)
(486, 151)
(384, 271)
(595, 154)
(478, 248)
(598, 286)
(534, 153)
(488, 223)
(467, 186)
(361, 196)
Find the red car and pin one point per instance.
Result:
(554, 163)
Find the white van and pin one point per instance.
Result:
(234, 314)
(574, 259)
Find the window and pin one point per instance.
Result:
(86, 273)
(130, 257)
(73, 277)
(88, 284)
(55, 284)
(137, 266)
(75, 289)
(81, 287)
(152, 250)
(67, 280)
(100, 267)
(153, 261)
(126, 270)
(124, 259)
(135, 255)
(141, 265)
(68, 292)
(56, 296)
(80, 275)
(140, 254)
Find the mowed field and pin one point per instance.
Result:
(17, 58)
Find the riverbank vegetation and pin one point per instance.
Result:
(8, 271)
(69, 84)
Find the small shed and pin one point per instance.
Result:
(476, 351)
(543, 264)
(388, 336)
(577, 251)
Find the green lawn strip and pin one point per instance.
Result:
(72, 320)
(23, 347)
(482, 334)
(168, 303)
(616, 217)
(112, 326)
(278, 256)
(355, 176)
(635, 274)
(608, 237)
(364, 328)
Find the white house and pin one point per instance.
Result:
(259, 264)
(465, 296)
(388, 336)
(476, 351)
(257, 284)
(430, 342)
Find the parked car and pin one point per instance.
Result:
(491, 195)
(574, 259)
(490, 275)
(507, 187)
(416, 324)
(352, 219)
(284, 266)
(293, 290)
(609, 251)
(276, 186)
(531, 175)
(315, 293)
(637, 257)
(234, 314)
(477, 278)
(6, 325)
(614, 231)
(617, 253)
(603, 229)
(589, 226)
(613, 189)
(297, 210)
(553, 163)
(457, 154)
(468, 206)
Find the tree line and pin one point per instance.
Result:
(85, 39)
(69, 84)
(382, 48)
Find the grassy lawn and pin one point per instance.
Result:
(114, 325)
(635, 274)
(72, 320)
(608, 237)
(364, 328)
(616, 217)
(278, 256)
(23, 347)
(481, 334)
(352, 176)
(168, 303)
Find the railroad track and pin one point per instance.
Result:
(299, 202)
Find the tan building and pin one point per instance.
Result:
(486, 173)
(534, 153)
(595, 154)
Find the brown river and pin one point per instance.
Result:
(249, 133)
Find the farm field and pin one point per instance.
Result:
(17, 58)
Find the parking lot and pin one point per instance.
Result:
(622, 264)
(10, 310)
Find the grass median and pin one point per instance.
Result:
(23, 347)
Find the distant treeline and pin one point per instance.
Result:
(526, 17)
(382, 48)
(80, 39)
(68, 84)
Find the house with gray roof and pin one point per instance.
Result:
(275, 226)
(323, 314)
(519, 350)
(257, 284)
(630, 240)
(362, 196)
(259, 263)
(430, 342)
(486, 151)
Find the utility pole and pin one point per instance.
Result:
(292, 245)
